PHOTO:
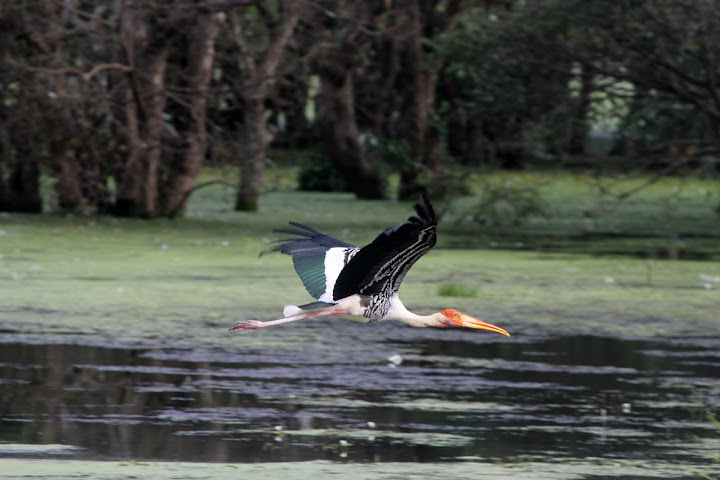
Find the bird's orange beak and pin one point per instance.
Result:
(461, 320)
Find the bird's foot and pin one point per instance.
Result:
(247, 325)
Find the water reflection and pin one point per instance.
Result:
(545, 399)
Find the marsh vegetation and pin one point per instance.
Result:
(115, 345)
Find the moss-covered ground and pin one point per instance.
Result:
(645, 267)
(633, 268)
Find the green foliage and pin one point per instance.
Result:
(456, 290)
(652, 119)
(487, 81)
(391, 152)
(538, 76)
(316, 173)
(506, 202)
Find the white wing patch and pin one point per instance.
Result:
(335, 260)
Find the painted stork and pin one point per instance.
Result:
(362, 283)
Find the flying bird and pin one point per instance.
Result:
(362, 283)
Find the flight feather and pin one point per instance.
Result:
(379, 267)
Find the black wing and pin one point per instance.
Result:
(382, 265)
(309, 249)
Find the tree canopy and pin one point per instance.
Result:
(122, 102)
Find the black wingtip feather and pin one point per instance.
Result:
(304, 231)
(425, 212)
(306, 238)
(428, 213)
(380, 266)
(304, 227)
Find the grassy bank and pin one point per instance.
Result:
(581, 266)
(673, 218)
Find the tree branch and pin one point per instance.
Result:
(179, 205)
(82, 13)
(87, 76)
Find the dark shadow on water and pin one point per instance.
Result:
(546, 398)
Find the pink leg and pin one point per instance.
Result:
(255, 324)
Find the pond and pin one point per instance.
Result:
(414, 396)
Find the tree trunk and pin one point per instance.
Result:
(478, 148)
(181, 177)
(142, 103)
(256, 134)
(579, 121)
(418, 82)
(418, 100)
(23, 191)
(342, 137)
(4, 193)
(80, 170)
(67, 180)
(255, 138)
(138, 176)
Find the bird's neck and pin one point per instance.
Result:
(402, 314)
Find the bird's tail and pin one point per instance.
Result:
(291, 310)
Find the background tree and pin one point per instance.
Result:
(154, 179)
(418, 23)
(372, 59)
(258, 67)
(645, 64)
(670, 53)
(121, 102)
(188, 148)
(506, 98)
(104, 72)
(339, 31)
(53, 116)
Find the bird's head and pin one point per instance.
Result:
(453, 318)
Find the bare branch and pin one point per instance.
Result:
(82, 13)
(280, 37)
(651, 180)
(177, 208)
(87, 76)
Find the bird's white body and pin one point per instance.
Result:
(355, 307)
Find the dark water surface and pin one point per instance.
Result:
(523, 399)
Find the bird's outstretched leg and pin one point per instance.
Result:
(255, 324)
